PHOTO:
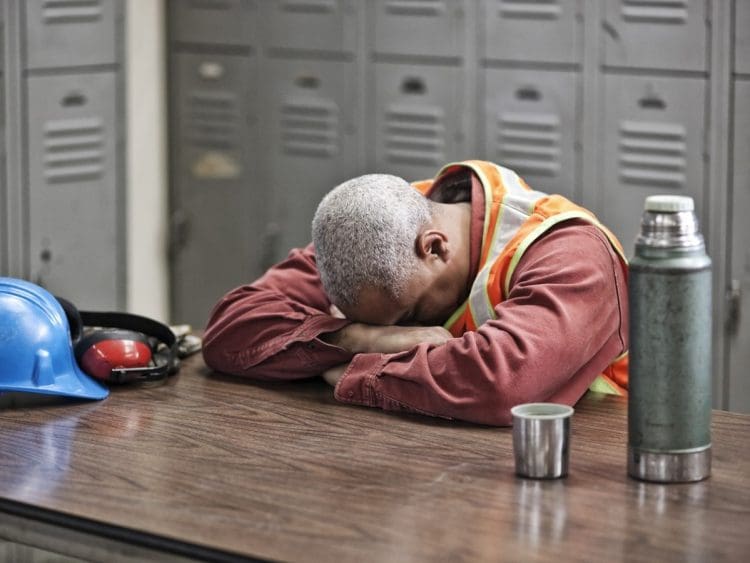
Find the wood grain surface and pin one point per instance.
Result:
(283, 472)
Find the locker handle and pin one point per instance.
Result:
(528, 94)
(652, 102)
(179, 235)
(734, 301)
(413, 85)
(308, 82)
(73, 99)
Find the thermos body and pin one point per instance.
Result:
(669, 385)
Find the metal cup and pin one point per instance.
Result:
(541, 439)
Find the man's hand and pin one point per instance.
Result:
(362, 338)
(332, 375)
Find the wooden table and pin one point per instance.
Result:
(214, 467)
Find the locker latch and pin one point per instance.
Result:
(179, 233)
(734, 297)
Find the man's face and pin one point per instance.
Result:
(429, 299)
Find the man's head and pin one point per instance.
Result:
(364, 232)
(381, 254)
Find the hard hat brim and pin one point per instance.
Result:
(76, 385)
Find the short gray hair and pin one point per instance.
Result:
(364, 232)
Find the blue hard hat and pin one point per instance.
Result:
(36, 352)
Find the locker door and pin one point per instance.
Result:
(420, 27)
(76, 246)
(217, 209)
(530, 125)
(4, 234)
(666, 34)
(742, 37)
(653, 143)
(417, 119)
(530, 30)
(62, 32)
(313, 138)
(222, 22)
(739, 323)
(312, 25)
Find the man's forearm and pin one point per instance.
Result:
(360, 338)
(269, 329)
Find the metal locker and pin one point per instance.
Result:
(742, 37)
(530, 125)
(311, 25)
(64, 33)
(653, 142)
(75, 228)
(222, 22)
(663, 34)
(312, 136)
(420, 27)
(738, 321)
(530, 30)
(217, 215)
(418, 119)
(4, 234)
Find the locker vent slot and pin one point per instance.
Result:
(71, 11)
(209, 4)
(534, 9)
(414, 135)
(213, 119)
(310, 127)
(653, 154)
(309, 6)
(655, 11)
(73, 149)
(529, 143)
(415, 7)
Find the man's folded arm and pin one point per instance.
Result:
(270, 329)
(560, 326)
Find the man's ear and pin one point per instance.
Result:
(432, 243)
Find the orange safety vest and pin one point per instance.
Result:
(514, 217)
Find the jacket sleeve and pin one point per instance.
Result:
(564, 321)
(269, 329)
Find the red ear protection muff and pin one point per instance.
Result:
(102, 351)
(138, 349)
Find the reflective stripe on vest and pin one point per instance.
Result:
(515, 216)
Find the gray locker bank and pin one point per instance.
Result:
(603, 101)
(61, 188)
(272, 103)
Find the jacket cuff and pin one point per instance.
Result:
(359, 384)
(316, 325)
(304, 338)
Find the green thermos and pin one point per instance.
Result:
(669, 384)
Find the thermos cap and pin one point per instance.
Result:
(669, 203)
(669, 222)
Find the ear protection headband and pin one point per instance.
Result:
(129, 348)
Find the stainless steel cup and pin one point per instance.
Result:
(541, 439)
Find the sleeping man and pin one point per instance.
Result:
(458, 297)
